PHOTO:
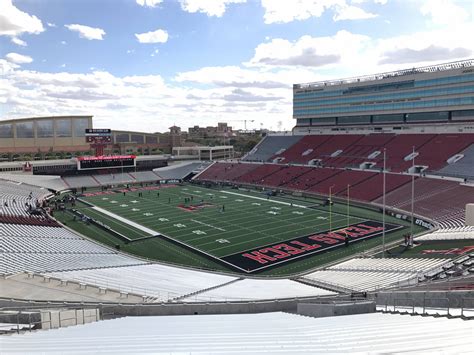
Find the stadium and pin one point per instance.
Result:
(354, 233)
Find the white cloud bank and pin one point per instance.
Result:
(297, 10)
(14, 22)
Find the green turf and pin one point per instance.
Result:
(153, 249)
(248, 222)
(245, 224)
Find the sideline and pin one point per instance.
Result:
(126, 221)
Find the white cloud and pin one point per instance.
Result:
(18, 58)
(14, 22)
(288, 11)
(155, 52)
(445, 44)
(445, 12)
(50, 24)
(209, 7)
(63, 65)
(149, 3)
(19, 42)
(158, 36)
(63, 43)
(352, 13)
(309, 51)
(87, 32)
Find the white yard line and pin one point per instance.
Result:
(263, 199)
(208, 225)
(126, 221)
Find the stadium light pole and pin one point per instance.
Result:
(383, 208)
(412, 197)
(348, 186)
(330, 208)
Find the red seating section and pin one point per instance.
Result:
(226, 171)
(258, 175)
(433, 149)
(286, 175)
(311, 178)
(435, 198)
(35, 221)
(370, 189)
(294, 154)
(441, 148)
(340, 181)
(359, 152)
(400, 147)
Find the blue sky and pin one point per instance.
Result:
(148, 64)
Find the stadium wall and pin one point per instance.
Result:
(470, 214)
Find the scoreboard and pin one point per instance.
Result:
(106, 162)
(98, 135)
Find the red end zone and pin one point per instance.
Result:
(271, 255)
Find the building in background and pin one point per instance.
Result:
(222, 130)
(58, 137)
(437, 94)
(42, 137)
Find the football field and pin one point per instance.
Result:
(245, 230)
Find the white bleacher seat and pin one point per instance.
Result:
(272, 333)
(160, 281)
(250, 289)
(365, 274)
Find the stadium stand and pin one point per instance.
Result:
(371, 188)
(433, 150)
(368, 148)
(270, 146)
(340, 181)
(11, 263)
(80, 181)
(161, 282)
(40, 245)
(440, 200)
(259, 174)
(363, 275)
(275, 332)
(463, 167)
(112, 179)
(438, 150)
(303, 150)
(459, 233)
(285, 175)
(400, 147)
(165, 283)
(180, 171)
(251, 289)
(225, 171)
(47, 181)
(311, 178)
(19, 230)
(395, 264)
(144, 176)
